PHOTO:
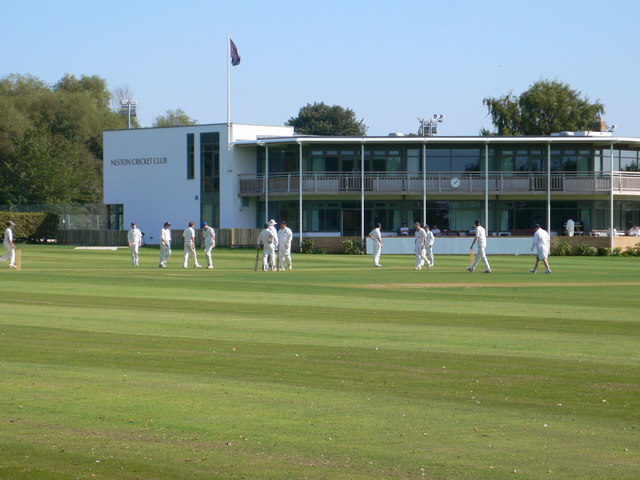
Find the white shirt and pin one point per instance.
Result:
(430, 238)
(541, 240)
(571, 225)
(8, 236)
(134, 236)
(272, 229)
(266, 238)
(376, 236)
(165, 234)
(189, 236)
(209, 236)
(421, 238)
(481, 236)
(284, 237)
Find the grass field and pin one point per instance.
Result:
(335, 370)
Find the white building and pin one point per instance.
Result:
(180, 174)
(341, 186)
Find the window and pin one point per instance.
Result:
(210, 177)
(190, 157)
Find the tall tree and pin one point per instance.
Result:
(548, 106)
(51, 138)
(174, 118)
(322, 119)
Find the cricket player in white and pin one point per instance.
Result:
(285, 236)
(428, 247)
(189, 236)
(134, 237)
(571, 227)
(165, 244)
(376, 236)
(541, 242)
(9, 246)
(272, 229)
(481, 241)
(209, 236)
(267, 240)
(421, 240)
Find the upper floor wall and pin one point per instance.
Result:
(350, 157)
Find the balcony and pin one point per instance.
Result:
(463, 183)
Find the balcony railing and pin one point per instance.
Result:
(449, 182)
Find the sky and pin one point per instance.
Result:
(390, 62)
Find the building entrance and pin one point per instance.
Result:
(351, 222)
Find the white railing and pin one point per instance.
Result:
(468, 183)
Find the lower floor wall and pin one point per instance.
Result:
(246, 237)
(343, 217)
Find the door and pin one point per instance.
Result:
(351, 222)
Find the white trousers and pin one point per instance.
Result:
(421, 257)
(377, 250)
(135, 254)
(481, 255)
(269, 258)
(165, 253)
(429, 255)
(284, 256)
(207, 252)
(10, 255)
(190, 250)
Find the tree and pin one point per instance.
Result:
(322, 119)
(174, 118)
(51, 138)
(548, 106)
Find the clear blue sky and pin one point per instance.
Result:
(388, 61)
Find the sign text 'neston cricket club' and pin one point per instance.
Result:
(122, 162)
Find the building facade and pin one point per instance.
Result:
(341, 186)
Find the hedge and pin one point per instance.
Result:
(31, 227)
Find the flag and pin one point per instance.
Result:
(235, 55)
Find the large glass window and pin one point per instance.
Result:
(454, 159)
(210, 181)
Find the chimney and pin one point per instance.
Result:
(599, 125)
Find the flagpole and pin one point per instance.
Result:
(228, 88)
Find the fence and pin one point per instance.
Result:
(225, 237)
(73, 216)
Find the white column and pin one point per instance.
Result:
(549, 188)
(266, 184)
(424, 182)
(362, 191)
(300, 195)
(611, 200)
(486, 186)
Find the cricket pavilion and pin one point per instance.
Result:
(239, 176)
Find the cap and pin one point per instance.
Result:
(167, 224)
(537, 225)
(378, 225)
(283, 222)
(11, 224)
(204, 224)
(272, 222)
(133, 223)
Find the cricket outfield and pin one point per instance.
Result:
(335, 370)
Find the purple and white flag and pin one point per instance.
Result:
(235, 55)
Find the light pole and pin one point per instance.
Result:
(429, 126)
(129, 108)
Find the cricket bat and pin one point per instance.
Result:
(472, 257)
(255, 265)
